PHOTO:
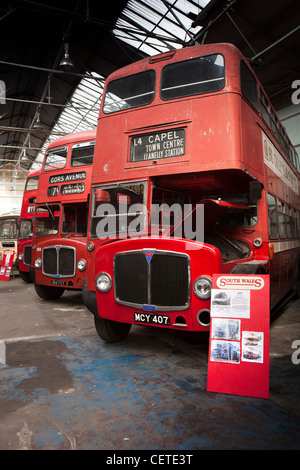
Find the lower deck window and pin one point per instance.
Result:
(47, 220)
(118, 209)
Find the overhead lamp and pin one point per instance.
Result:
(66, 61)
(38, 124)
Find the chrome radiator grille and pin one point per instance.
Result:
(59, 261)
(161, 280)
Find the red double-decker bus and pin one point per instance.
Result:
(189, 128)
(26, 224)
(62, 206)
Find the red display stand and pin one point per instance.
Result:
(6, 265)
(238, 360)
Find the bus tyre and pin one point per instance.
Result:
(25, 276)
(111, 331)
(89, 299)
(48, 292)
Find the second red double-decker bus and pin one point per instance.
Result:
(179, 132)
(62, 206)
(26, 225)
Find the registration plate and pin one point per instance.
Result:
(151, 318)
(55, 282)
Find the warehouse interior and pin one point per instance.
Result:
(54, 60)
(65, 99)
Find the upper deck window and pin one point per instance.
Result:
(82, 154)
(129, 92)
(249, 86)
(193, 77)
(56, 159)
(32, 183)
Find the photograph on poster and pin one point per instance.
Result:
(225, 351)
(231, 303)
(223, 328)
(252, 346)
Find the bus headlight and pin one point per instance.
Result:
(202, 287)
(20, 256)
(90, 246)
(38, 263)
(103, 282)
(81, 265)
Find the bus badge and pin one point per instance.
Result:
(149, 254)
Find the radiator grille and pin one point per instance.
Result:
(59, 261)
(27, 255)
(164, 282)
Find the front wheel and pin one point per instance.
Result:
(48, 292)
(25, 276)
(111, 331)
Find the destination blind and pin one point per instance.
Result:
(157, 145)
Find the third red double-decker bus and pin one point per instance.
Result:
(62, 206)
(179, 132)
(26, 224)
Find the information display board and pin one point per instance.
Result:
(6, 265)
(238, 361)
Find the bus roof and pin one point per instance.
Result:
(177, 55)
(70, 138)
(34, 173)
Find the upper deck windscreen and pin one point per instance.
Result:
(193, 77)
(56, 159)
(82, 154)
(32, 183)
(129, 92)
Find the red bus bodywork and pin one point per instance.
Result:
(214, 145)
(26, 224)
(60, 228)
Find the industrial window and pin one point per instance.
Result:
(249, 85)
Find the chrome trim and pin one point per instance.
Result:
(57, 275)
(158, 308)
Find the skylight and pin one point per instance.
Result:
(158, 25)
(80, 114)
(151, 26)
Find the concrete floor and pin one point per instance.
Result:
(62, 387)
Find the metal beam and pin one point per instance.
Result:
(279, 41)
